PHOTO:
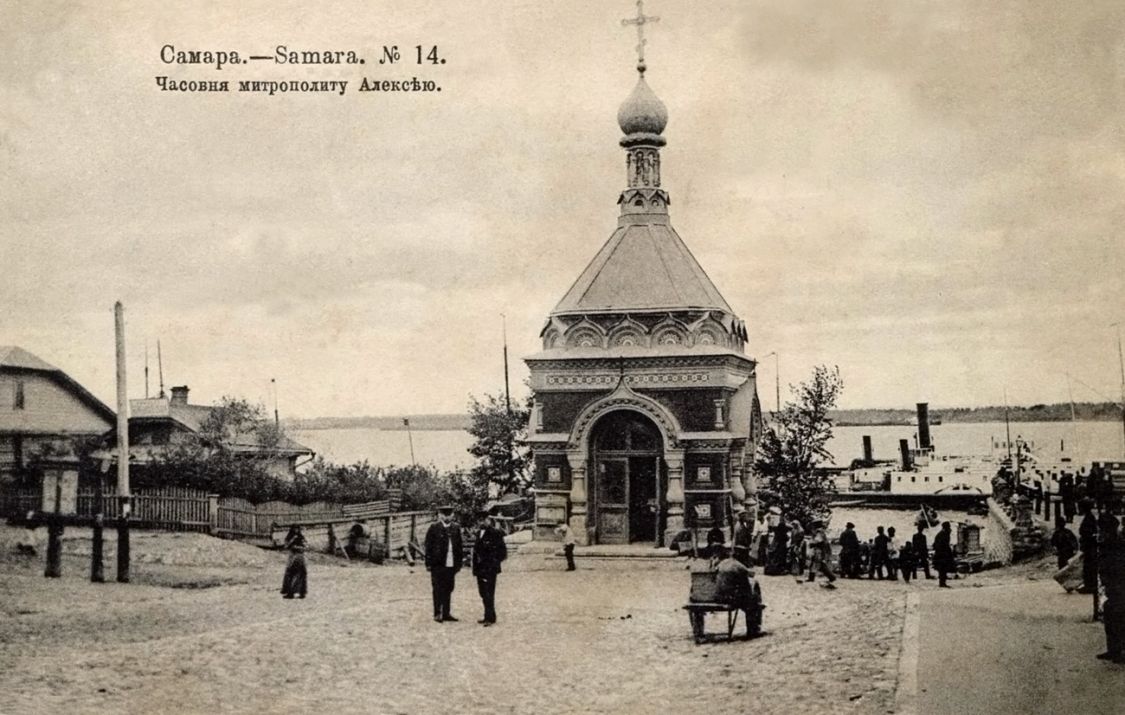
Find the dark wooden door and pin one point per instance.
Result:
(613, 500)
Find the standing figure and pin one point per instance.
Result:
(1111, 567)
(743, 538)
(568, 544)
(893, 547)
(943, 554)
(1088, 543)
(1066, 493)
(907, 562)
(296, 579)
(1064, 542)
(921, 552)
(849, 552)
(778, 562)
(489, 551)
(820, 554)
(878, 558)
(443, 560)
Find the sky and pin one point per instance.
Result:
(926, 194)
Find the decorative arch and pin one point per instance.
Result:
(670, 332)
(624, 398)
(551, 339)
(585, 334)
(709, 332)
(628, 332)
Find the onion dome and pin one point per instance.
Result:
(642, 112)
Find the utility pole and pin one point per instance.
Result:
(122, 446)
(508, 400)
(1121, 363)
(160, 368)
(146, 369)
(776, 381)
(276, 414)
(410, 437)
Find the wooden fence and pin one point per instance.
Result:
(395, 531)
(183, 509)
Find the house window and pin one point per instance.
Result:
(914, 479)
(19, 401)
(900, 479)
(941, 479)
(927, 479)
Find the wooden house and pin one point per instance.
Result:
(41, 410)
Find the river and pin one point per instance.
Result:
(447, 449)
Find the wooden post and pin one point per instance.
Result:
(97, 566)
(122, 446)
(54, 534)
(213, 514)
(387, 535)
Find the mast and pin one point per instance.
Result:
(146, 369)
(1007, 427)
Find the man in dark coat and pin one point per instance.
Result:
(1111, 568)
(1064, 542)
(878, 554)
(489, 550)
(1066, 493)
(443, 560)
(1088, 545)
(743, 538)
(921, 552)
(943, 553)
(849, 552)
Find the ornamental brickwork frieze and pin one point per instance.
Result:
(606, 380)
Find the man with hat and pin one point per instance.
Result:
(443, 560)
(1088, 545)
(820, 551)
(489, 550)
(849, 552)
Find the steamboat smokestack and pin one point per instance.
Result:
(904, 450)
(924, 425)
(868, 452)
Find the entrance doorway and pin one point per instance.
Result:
(629, 479)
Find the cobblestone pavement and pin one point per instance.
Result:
(609, 638)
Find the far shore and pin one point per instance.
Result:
(870, 417)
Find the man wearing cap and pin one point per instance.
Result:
(743, 537)
(489, 550)
(849, 552)
(443, 561)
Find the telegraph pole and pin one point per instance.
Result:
(508, 400)
(1121, 362)
(122, 447)
(276, 414)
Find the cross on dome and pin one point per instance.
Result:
(640, 21)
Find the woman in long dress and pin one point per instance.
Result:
(296, 580)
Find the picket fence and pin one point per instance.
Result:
(183, 509)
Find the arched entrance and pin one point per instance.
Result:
(628, 489)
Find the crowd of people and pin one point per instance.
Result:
(782, 546)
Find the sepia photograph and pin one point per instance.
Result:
(588, 357)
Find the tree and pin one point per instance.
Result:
(794, 445)
(502, 457)
(209, 459)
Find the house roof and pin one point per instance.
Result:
(15, 358)
(643, 266)
(192, 417)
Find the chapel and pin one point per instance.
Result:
(645, 415)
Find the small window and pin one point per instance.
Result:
(927, 479)
(19, 401)
(941, 479)
(914, 479)
(900, 479)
